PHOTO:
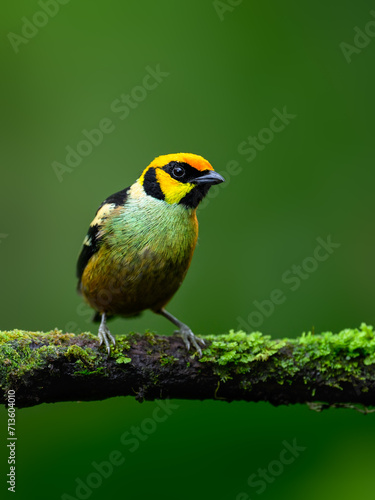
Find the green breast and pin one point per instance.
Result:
(146, 251)
(169, 231)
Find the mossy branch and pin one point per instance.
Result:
(331, 369)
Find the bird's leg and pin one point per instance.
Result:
(187, 335)
(105, 335)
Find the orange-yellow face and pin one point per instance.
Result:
(195, 161)
(179, 178)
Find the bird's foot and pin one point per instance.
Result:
(190, 339)
(106, 336)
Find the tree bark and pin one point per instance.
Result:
(322, 370)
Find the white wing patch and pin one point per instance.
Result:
(102, 214)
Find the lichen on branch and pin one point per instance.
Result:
(328, 368)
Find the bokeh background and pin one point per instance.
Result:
(227, 65)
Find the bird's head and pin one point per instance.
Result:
(181, 178)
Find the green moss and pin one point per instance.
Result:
(24, 352)
(20, 358)
(76, 353)
(354, 342)
(167, 360)
(86, 360)
(25, 337)
(336, 356)
(150, 337)
(240, 348)
(339, 358)
(123, 359)
(122, 345)
(85, 372)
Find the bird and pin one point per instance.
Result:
(140, 243)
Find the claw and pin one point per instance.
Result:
(187, 335)
(105, 335)
(190, 339)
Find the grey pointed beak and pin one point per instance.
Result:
(211, 177)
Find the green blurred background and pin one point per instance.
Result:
(315, 178)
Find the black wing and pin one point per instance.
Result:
(92, 241)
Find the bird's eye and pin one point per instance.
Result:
(178, 172)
